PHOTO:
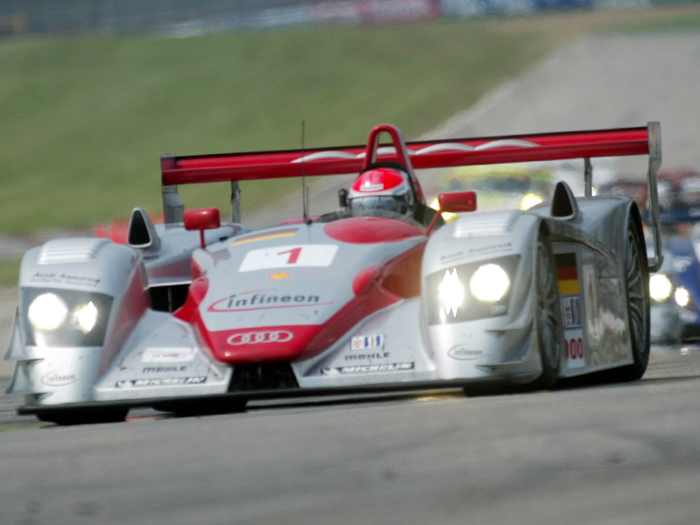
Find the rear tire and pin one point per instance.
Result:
(550, 335)
(638, 303)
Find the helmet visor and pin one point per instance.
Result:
(379, 203)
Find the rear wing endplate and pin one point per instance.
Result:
(445, 153)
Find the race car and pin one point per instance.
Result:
(675, 288)
(199, 316)
(499, 186)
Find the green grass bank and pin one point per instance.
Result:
(84, 119)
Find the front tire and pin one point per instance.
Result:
(550, 335)
(206, 407)
(83, 416)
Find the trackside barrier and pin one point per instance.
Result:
(196, 18)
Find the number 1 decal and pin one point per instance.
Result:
(295, 256)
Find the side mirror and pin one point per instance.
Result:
(457, 202)
(202, 219)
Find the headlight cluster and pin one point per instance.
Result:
(470, 291)
(682, 296)
(489, 283)
(63, 318)
(661, 289)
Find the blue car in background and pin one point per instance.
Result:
(675, 293)
(675, 288)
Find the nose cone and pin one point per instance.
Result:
(267, 343)
(277, 322)
(272, 299)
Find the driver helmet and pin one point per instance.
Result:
(382, 189)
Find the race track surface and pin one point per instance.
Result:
(608, 454)
(586, 454)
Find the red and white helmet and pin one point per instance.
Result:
(382, 189)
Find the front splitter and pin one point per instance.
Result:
(220, 399)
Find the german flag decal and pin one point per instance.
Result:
(567, 273)
(266, 237)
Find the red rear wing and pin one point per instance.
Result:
(427, 154)
(423, 154)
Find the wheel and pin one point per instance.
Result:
(84, 416)
(550, 335)
(639, 317)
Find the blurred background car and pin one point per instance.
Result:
(675, 288)
(499, 186)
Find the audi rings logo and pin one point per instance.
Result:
(253, 338)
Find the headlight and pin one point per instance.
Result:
(682, 296)
(47, 312)
(451, 292)
(489, 283)
(65, 318)
(470, 291)
(86, 317)
(660, 287)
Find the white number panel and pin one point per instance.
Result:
(289, 256)
(575, 357)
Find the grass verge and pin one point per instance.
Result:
(9, 272)
(84, 119)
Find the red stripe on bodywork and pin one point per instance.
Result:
(367, 230)
(189, 312)
(258, 344)
(308, 340)
(375, 288)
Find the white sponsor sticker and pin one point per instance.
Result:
(167, 355)
(575, 352)
(367, 342)
(463, 353)
(58, 378)
(571, 309)
(291, 256)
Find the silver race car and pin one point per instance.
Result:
(199, 316)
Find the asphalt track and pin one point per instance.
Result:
(594, 454)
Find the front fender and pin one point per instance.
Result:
(507, 238)
(61, 364)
